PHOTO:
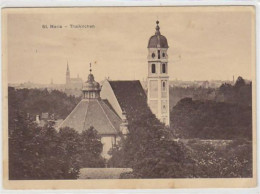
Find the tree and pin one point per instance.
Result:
(37, 153)
(91, 149)
(240, 82)
(43, 153)
(150, 150)
(211, 120)
(36, 101)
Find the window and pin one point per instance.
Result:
(163, 68)
(92, 95)
(163, 55)
(163, 86)
(159, 55)
(153, 55)
(153, 68)
(164, 107)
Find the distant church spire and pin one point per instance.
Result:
(68, 74)
(68, 69)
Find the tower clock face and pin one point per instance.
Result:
(153, 55)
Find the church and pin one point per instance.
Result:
(73, 86)
(108, 107)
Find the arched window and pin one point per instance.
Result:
(153, 68)
(163, 68)
(159, 54)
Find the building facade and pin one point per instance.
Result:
(158, 78)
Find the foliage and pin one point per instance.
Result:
(211, 120)
(150, 151)
(198, 93)
(240, 93)
(221, 158)
(91, 149)
(43, 153)
(36, 101)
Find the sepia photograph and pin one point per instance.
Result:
(129, 97)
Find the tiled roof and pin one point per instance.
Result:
(93, 113)
(131, 97)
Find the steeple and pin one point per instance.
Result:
(91, 89)
(68, 74)
(68, 69)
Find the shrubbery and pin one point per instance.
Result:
(43, 153)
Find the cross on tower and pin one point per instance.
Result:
(90, 70)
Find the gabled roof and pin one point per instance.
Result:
(93, 113)
(131, 98)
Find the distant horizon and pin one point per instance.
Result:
(203, 44)
(130, 80)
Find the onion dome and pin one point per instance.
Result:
(158, 40)
(91, 84)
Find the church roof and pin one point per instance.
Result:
(131, 98)
(94, 113)
(158, 40)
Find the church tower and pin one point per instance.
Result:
(158, 78)
(67, 74)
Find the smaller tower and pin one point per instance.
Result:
(91, 89)
(67, 74)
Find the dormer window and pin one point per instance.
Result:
(153, 68)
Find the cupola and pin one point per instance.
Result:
(158, 40)
(91, 89)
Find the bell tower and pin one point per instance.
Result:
(158, 78)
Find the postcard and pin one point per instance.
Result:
(129, 97)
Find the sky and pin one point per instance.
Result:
(205, 43)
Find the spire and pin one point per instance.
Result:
(68, 69)
(157, 28)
